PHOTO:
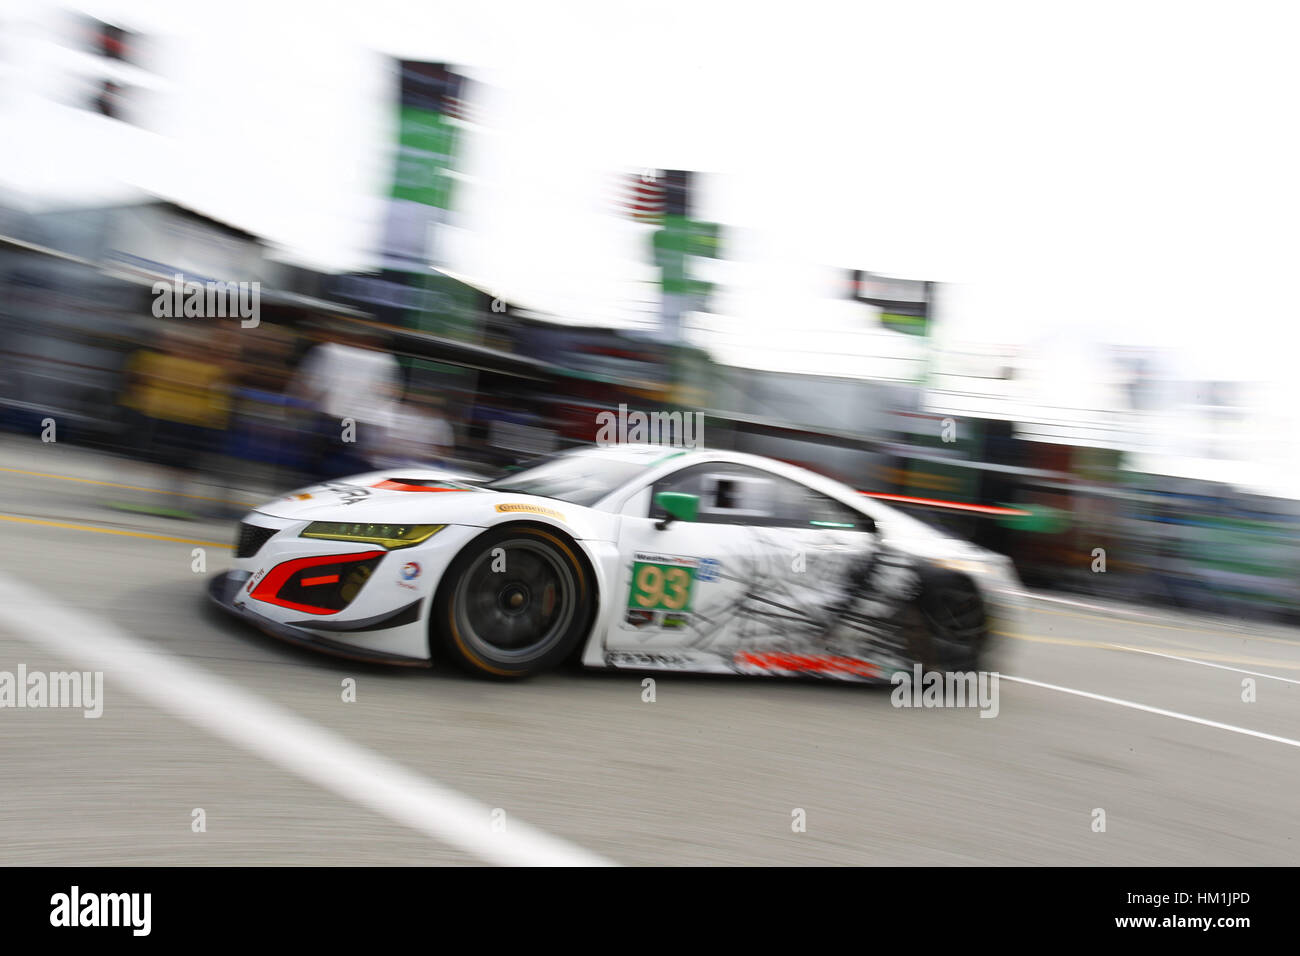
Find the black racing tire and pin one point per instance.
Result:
(946, 625)
(521, 619)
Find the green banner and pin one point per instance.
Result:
(426, 145)
(674, 245)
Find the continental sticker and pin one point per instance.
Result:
(532, 509)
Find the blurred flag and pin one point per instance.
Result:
(108, 40)
(664, 198)
(642, 196)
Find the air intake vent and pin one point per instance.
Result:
(250, 539)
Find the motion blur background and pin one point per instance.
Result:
(1046, 306)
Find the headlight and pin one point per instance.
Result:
(998, 571)
(964, 565)
(390, 536)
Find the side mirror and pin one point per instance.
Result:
(677, 507)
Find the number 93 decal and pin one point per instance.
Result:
(661, 586)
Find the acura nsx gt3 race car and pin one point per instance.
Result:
(639, 557)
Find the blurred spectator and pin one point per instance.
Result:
(271, 430)
(350, 383)
(177, 407)
(267, 358)
(514, 432)
(415, 432)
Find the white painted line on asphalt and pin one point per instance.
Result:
(1193, 660)
(280, 736)
(1147, 708)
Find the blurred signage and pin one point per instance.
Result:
(682, 237)
(428, 135)
(431, 110)
(154, 239)
(431, 303)
(674, 245)
(904, 303)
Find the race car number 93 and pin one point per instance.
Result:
(666, 586)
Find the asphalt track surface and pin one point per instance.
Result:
(1135, 712)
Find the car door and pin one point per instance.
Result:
(755, 572)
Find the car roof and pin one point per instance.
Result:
(654, 455)
(660, 460)
(643, 454)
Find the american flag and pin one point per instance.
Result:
(436, 87)
(642, 196)
(458, 108)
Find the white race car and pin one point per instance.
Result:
(633, 556)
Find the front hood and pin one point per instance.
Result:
(920, 539)
(425, 496)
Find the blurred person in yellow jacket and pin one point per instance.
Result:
(177, 400)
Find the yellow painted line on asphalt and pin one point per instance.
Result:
(129, 534)
(115, 484)
(1084, 642)
(1163, 651)
(1068, 642)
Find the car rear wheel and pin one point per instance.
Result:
(516, 601)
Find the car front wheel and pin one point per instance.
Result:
(515, 602)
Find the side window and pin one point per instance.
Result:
(804, 508)
(729, 494)
(738, 494)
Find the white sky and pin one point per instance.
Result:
(1103, 172)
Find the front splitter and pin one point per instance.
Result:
(224, 590)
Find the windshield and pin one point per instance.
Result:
(579, 479)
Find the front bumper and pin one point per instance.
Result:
(225, 589)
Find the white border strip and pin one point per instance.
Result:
(1112, 611)
(280, 736)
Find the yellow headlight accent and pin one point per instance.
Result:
(964, 565)
(390, 536)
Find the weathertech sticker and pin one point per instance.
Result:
(532, 509)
